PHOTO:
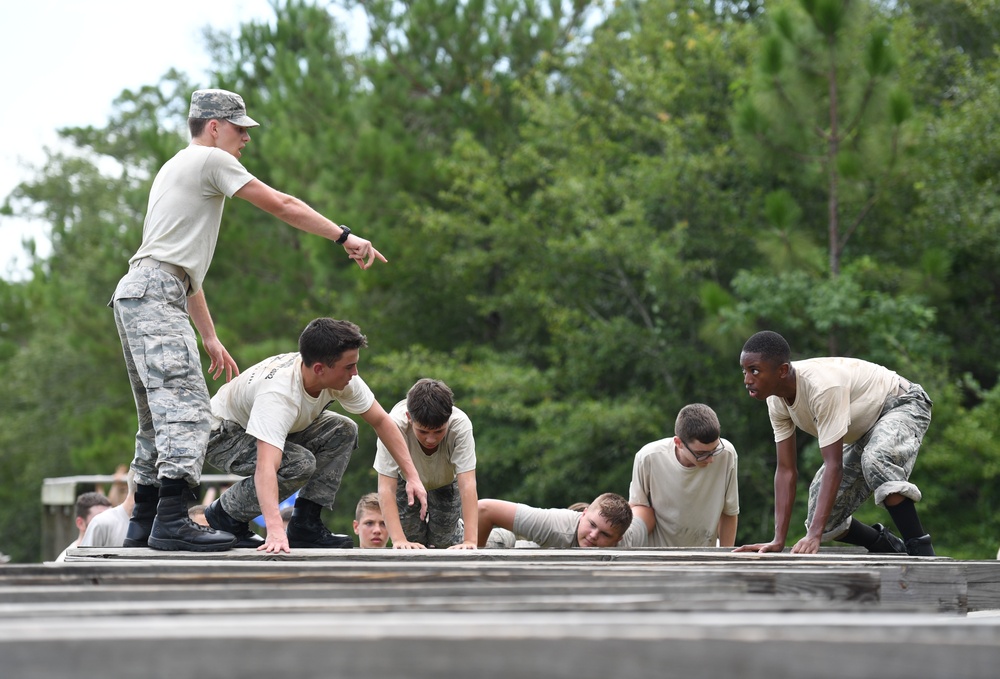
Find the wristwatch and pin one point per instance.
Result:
(343, 236)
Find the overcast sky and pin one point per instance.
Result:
(63, 63)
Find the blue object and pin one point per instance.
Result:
(287, 502)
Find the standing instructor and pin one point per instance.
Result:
(162, 292)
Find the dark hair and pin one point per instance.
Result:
(197, 125)
(325, 340)
(85, 501)
(430, 403)
(615, 509)
(697, 422)
(771, 347)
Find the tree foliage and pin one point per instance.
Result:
(586, 207)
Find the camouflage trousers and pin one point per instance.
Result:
(164, 369)
(443, 527)
(879, 462)
(313, 460)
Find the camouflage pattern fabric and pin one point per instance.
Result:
(220, 104)
(444, 509)
(880, 462)
(164, 369)
(313, 460)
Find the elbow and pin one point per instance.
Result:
(284, 207)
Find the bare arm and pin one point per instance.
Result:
(221, 360)
(647, 515)
(390, 435)
(387, 486)
(833, 474)
(494, 514)
(470, 510)
(727, 529)
(265, 481)
(785, 478)
(295, 212)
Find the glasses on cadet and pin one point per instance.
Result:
(701, 457)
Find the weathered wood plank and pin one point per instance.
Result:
(509, 645)
(515, 614)
(774, 590)
(983, 578)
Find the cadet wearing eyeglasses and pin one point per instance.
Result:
(684, 491)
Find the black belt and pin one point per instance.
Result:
(172, 269)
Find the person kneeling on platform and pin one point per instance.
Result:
(271, 425)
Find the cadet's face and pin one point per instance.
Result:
(232, 138)
(92, 512)
(340, 373)
(697, 453)
(760, 377)
(371, 530)
(594, 530)
(429, 438)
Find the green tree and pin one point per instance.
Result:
(825, 108)
(578, 245)
(585, 249)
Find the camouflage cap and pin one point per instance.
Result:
(221, 104)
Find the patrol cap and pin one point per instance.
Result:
(220, 104)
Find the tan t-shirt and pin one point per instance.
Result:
(270, 401)
(185, 209)
(456, 453)
(687, 502)
(834, 397)
(548, 528)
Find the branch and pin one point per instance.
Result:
(870, 203)
(865, 100)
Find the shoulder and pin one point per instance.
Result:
(547, 513)
(356, 387)
(398, 411)
(459, 420)
(655, 448)
(728, 445)
(824, 369)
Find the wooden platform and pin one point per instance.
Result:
(612, 614)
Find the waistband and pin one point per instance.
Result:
(172, 269)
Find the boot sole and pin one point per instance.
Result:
(182, 546)
(134, 543)
(313, 545)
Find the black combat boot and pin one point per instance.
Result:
(920, 546)
(887, 543)
(306, 529)
(219, 519)
(143, 513)
(174, 530)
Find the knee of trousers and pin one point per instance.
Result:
(299, 463)
(904, 488)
